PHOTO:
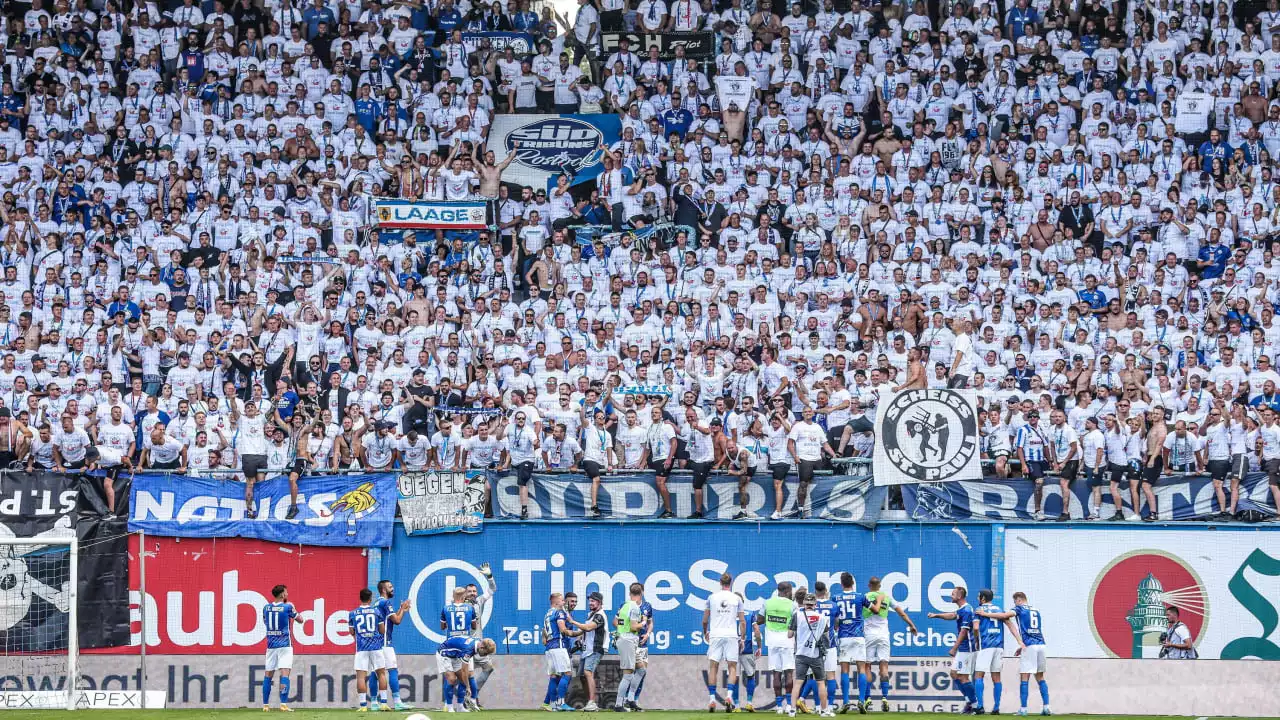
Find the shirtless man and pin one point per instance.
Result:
(491, 173)
(1153, 467)
(915, 372)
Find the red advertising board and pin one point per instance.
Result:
(205, 595)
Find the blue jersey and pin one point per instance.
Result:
(1029, 624)
(458, 648)
(551, 636)
(851, 604)
(364, 622)
(278, 617)
(829, 608)
(646, 610)
(386, 608)
(457, 619)
(749, 640)
(964, 619)
(990, 630)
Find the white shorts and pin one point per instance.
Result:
(989, 660)
(962, 663)
(280, 658)
(557, 661)
(782, 658)
(1032, 660)
(389, 658)
(723, 650)
(831, 661)
(642, 655)
(853, 649)
(877, 648)
(448, 664)
(369, 660)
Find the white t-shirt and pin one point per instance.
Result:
(809, 438)
(726, 610)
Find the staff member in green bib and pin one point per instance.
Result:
(876, 629)
(630, 622)
(776, 618)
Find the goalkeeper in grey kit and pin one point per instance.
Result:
(481, 666)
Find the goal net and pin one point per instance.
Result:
(38, 643)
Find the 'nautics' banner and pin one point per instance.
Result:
(548, 145)
(1178, 497)
(356, 510)
(844, 498)
(927, 436)
(430, 214)
(433, 501)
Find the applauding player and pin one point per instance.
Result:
(278, 616)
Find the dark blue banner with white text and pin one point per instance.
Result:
(1178, 497)
(567, 496)
(353, 510)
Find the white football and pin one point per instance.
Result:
(418, 716)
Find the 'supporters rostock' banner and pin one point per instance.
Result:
(549, 145)
(634, 496)
(1103, 593)
(1178, 497)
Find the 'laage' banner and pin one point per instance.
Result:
(356, 510)
(927, 436)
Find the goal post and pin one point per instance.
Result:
(40, 649)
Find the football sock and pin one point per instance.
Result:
(979, 685)
(996, 689)
(623, 687)
(809, 687)
(751, 688)
(448, 693)
(284, 690)
(364, 699)
(1024, 691)
(711, 690)
(1044, 692)
(884, 689)
(563, 693)
(266, 691)
(393, 683)
(831, 690)
(637, 679)
(733, 693)
(864, 688)
(475, 691)
(552, 683)
(844, 687)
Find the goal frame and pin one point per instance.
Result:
(72, 542)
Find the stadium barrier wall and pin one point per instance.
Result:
(1116, 687)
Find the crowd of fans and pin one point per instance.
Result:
(1006, 197)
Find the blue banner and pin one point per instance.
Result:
(1178, 497)
(547, 146)
(437, 501)
(679, 565)
(355, 510)
(567, 496)
(521, 44)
